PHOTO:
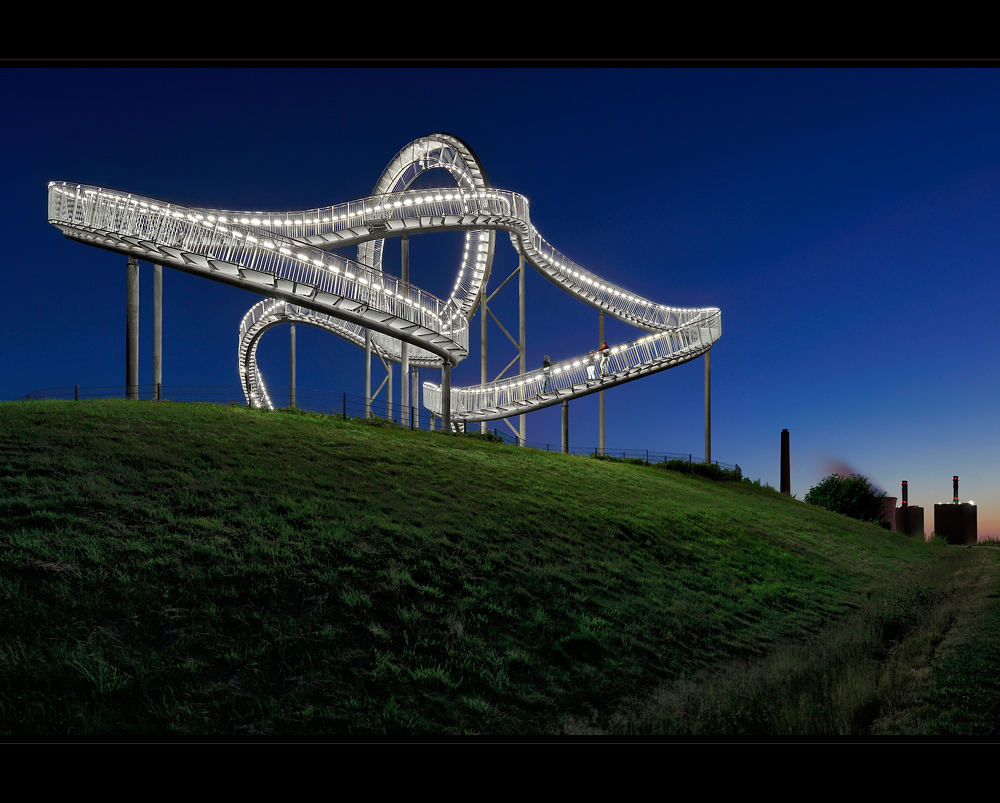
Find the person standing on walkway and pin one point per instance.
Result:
(603, 356)
(547, 373)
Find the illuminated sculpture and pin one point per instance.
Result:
(285, 256)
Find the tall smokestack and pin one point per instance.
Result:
(904, 493)
(954, 482)
(786, 468)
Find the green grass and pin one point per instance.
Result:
(199, 569)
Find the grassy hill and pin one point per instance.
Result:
(199, 569)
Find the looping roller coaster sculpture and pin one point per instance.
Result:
(286, 257)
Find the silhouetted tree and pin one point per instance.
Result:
(853, 496)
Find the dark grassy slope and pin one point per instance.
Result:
(200, 569)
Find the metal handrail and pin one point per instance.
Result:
(578, 376)
(227, 247)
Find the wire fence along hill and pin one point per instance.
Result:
(344, 404)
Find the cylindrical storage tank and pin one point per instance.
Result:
(889, 511)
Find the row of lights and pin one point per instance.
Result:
(387, 206)
(577, 363)
(561, 266)
(212, 222)
(409, 202)
(480, 257)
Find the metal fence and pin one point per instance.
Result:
(342, 404)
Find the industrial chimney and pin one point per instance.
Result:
(786, 470)
(909, 519)
(954, 498)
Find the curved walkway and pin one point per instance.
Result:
(284, 255)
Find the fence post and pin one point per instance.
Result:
(345, 405)
(77, 396)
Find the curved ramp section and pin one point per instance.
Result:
(273, 311)
(451, 209)
(580, 376)
(445, 209)
(259, 260)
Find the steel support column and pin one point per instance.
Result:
(600, 396)
(291, 383)
(415, 396)
(157, 326)
(518, 344)
(368, 373)
(445, 397)
(132, 329)
(523, 366)
(565, 427)
(404, 357)
(482, 345)
(708, 406)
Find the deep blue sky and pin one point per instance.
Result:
(844, 220)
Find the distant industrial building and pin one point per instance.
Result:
(958, 522)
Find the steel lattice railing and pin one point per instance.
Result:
(237, 253)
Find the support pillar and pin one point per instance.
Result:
(708, 406)
(291, 383)
(565, 427)
(388, 394)
(157, 328)
(446, 397)
(404, 359)
(132, 329)
(523, 366)
(368, 373)
(415, 396)
(483, 377)
(600, 396)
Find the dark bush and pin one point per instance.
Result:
(852, 496)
